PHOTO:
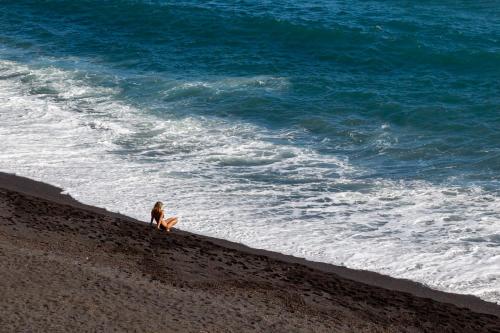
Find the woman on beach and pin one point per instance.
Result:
(157, 214)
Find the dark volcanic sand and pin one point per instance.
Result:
(65, 266)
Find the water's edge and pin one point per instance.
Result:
(52, 193)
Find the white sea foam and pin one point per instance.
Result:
(224, 86)
(244, 183)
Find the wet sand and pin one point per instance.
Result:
(66, 266)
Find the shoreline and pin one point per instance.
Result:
(128, 243)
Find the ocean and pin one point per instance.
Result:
(358, 133)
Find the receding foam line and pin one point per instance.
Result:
(233, 180)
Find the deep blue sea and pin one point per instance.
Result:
(359, 133)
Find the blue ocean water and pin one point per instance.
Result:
(343, 131)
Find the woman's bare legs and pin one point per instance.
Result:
(171, 222)
(168, 223)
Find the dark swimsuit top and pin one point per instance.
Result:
(156, 216)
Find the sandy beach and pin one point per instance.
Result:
(66, 266)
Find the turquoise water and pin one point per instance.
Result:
(334, 125)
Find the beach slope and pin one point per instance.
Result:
(66, 266)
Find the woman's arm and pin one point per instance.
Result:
(160, 218)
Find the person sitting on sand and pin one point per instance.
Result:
(157, 214)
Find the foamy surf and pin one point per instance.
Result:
(244, 182)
